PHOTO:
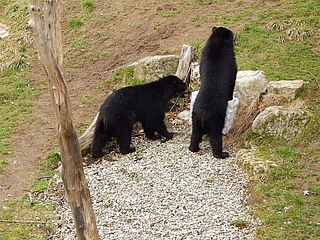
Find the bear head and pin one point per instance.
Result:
(176, 84)
(223, 34)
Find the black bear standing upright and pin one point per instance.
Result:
(146, 103)
(218, 71)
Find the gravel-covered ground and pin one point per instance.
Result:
(164, 191)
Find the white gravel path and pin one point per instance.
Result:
(164, 191)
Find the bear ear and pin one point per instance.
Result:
(214, 29)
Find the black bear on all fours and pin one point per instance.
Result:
(218, 71)
(146, 103)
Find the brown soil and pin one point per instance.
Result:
(129, 30)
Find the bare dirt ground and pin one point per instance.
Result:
(129, 30)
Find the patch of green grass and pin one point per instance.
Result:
(17, 89)
(77, 44)
(278, 46)
(172, 13)
(75, 23)
(240, 224)
(51, 162)
(26, 219)
(198, 45)
(3, 165)
(29, 218)
(287, 214)
(110, 145)
(14, 53)
(123, 76)
(105, 54)
(287, 197)
(283, 44)
(89, 5)
(285, 152)
(202, 17)
(33, 219)
(16, 94)
(132, 175)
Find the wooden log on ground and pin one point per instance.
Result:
(183, 72)
(86, 138)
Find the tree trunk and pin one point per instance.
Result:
(45, 24)
(183, 72)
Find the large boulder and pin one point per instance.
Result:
(279, 122)
(286, 88)
(152, 68)
(250, 84)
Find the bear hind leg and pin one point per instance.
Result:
(216, 143)
(123, 136)
(196, 136)
(161, 128)
(149, 131)
(156, 126)
(99, 140)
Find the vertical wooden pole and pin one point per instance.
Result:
(186, 58)
(45, 24)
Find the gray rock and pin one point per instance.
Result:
(250, 84)
(279, 122)
(195, 76)
(288, 89)
(195, 71)
(184, 116)
(4, 30)
(152, 68)
(248, 160)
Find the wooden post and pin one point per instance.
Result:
(186, 58)
(45, 24)
(183, 72)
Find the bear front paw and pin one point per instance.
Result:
(96, 153)
(169, 135)
(127, 151)
(153, 137)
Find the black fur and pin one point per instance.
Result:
(218, 71)
(145, 103)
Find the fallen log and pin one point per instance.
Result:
(183, 72)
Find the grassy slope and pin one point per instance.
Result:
(263, 43)
(17, 91)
